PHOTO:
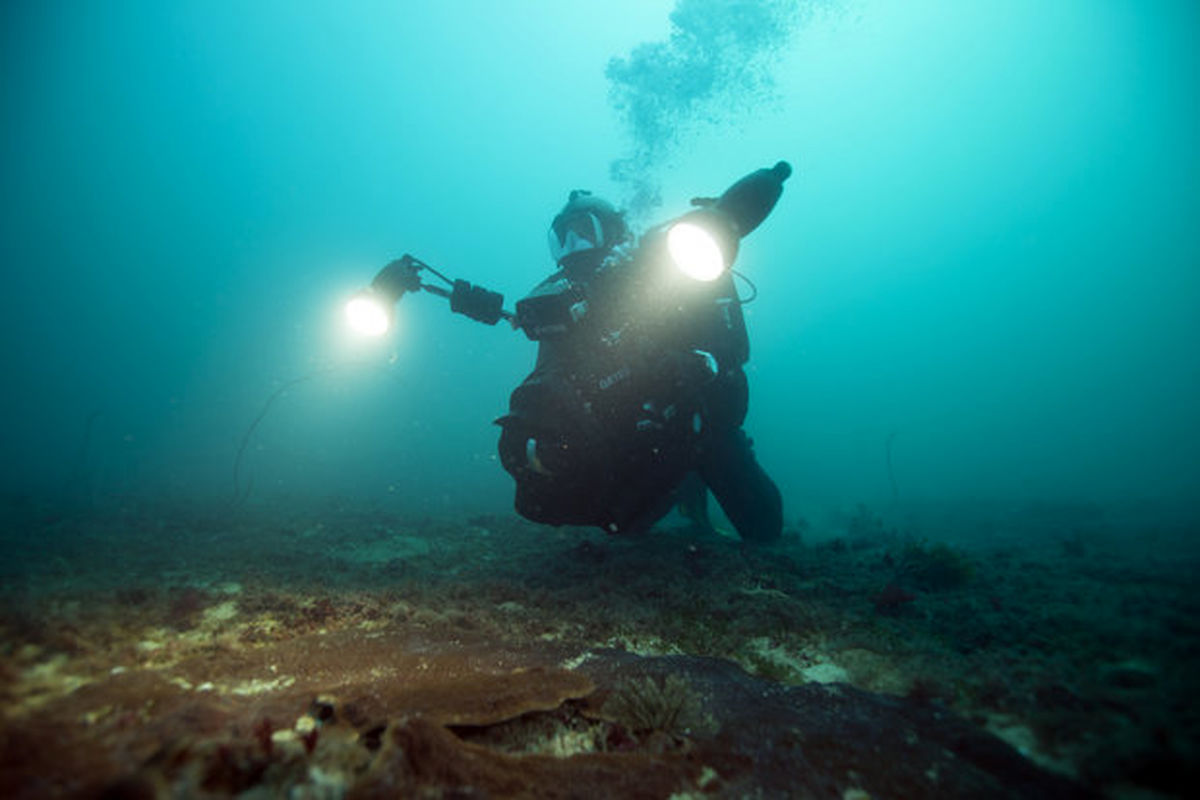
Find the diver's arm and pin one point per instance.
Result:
(749, 201)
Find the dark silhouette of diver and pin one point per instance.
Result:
(638, 395)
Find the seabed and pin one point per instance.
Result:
(154, 651)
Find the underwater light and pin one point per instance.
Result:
(704, 243)
(372, 311)
(367, 314)
(695, 251)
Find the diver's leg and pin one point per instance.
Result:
(746, 493)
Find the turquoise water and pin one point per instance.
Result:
(988, 252)
(974, 376)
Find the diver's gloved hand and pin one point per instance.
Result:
(690, 370)
(701, 367)
(477, 303)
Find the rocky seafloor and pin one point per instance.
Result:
(153, 651)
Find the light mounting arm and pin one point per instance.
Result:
(372, 311)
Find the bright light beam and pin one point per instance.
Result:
(695, 251)
(368, 316)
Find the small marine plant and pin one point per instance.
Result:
(670, 706)
(933, 568)
(240, 492)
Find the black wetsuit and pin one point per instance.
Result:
(637, 384)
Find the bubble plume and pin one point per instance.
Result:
(714, 67)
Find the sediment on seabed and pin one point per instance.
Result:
(158, 651)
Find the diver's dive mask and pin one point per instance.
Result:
(575, 233)
(586, 224)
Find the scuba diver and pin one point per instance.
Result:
(638, 394)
